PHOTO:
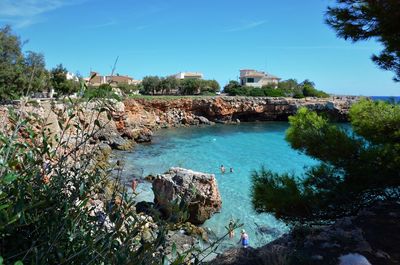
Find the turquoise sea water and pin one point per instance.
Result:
(243, 147)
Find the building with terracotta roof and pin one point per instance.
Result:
(253, 78)
(113, 80)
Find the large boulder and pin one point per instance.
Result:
(199, 191)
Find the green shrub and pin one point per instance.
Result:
(277, 92)
(298, 95)
(256, 92)
(309, 91)
(129, 89)
(288, 88)
(231, 86)
(104, 91)
(46, 207)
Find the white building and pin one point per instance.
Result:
(250, 77)
(188, 75)
(72, 76)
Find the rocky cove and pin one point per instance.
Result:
(134, 120)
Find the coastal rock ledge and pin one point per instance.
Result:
(198, 190)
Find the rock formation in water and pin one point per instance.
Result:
(198, 191)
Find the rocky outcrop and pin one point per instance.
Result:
(367, 236)
(134, 120)
(198, 191)
(204, 110)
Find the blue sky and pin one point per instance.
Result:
(287, 38)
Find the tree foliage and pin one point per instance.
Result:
(286, 88)
(190, 86)
(173, 86)
(60, 83)
(151, 84)
(355, 167)
(51, 188)
(104, 91)
(37, 77)
(20, 74)
(365, 19)
(11, 64)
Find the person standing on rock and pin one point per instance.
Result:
(134, 184)
(244, 239)
(231, 229)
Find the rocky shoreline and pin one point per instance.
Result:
(158, 113)
(366, 238)
(134, 120)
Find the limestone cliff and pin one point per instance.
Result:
(156, 113)
(136, 119)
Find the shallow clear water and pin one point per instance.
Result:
(243, 147)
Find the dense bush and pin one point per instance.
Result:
(60, 205)
(104, 91)
(276, 92)
(129, 89)
(49, 184)
(60, 83)
(308, 89)
(356, 168)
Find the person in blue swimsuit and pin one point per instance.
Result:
(244, 239)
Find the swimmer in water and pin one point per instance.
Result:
(222, 169)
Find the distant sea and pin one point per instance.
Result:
(386, 98)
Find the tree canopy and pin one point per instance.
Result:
(286, 88)
(356, 167)
(11, 64)
(365, 19)
(60, 83)
(171, 85)
(24, 73)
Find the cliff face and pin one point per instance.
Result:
(194, 111)
(135, 119)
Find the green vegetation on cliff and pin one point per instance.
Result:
(172, 86)
(287, 88)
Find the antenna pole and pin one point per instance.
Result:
(114, 67)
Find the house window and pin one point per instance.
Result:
(250, 80)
